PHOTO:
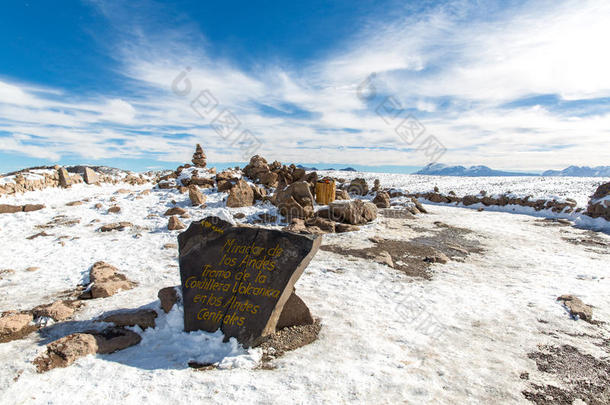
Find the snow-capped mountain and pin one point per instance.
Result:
(580, 171)
(439, 169)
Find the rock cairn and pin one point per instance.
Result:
(199, 157)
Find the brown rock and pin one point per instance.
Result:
(324, 224)
(144, 318)
(175, 211)
(382, 200)
(170, 246)
(437, 257)
(168, 297)
(32, 268)
(341, 228)
(295, 313)
(74, 203)
(64, 178)
(358, 186)
(341, 195)
(240, 195)
(199, 157)
(175, 224)
(295, 201)
(65, 351)
(10, 209)
(90, 176)
(117, 226)
(576, 307)
(59, 310)
(354, 212)
(98, 206)
(197, 198)
(107, 280)
(15, 325)
(115, 209)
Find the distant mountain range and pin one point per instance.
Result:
(580, 171)
(346, 169)
(438, 169)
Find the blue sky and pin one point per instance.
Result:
(520, 85)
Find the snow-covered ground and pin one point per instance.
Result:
(461, 337)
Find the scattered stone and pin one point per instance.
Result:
(354, 212)
(15, 325)
(10, 209)
(168, 297)
(32, 207)
(144, 318)
(239, 215)
(295, 201)
(174, 211)
(115, 209)
(64, 178)
(358, 186)
(295, 313)
(122, 191)
(36, 235)
(240, 195)
(577, 308)
(58, 311)
(170, 246)
(90, 176)
(437, 257)
(175, 224)
(342, 228)
(116, 226)
(65, 351)
(196, 197)
(98, 206)
(107, 281)
(382, 257)
(382, 200)
(341, 195)
(32, 268)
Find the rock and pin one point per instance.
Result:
(64, 178)
(437, 257)
(175, 211)
(382, 200)
(295, 201)
(199, 157)
(115, 209)
(342, 228)
(59, 310)
(116, 226)
(32, 268)
(577, 308)
(15, 325)
(65, 351)
(274, 262)
(10, 209)
(196, 197)
(259, 192)
(74, 203)
(599, 204)
(358, 186)
(144, 318)
(470, 200)
(297, 225)
(90, 176)
(239, 215)
(419, 205)
(107, 281)
(98, 206)
(170, 246)
(32, 207)
(383, 257)
(323, 224)
(36, 235)
(175, 224)
(341, 195)
(354, 212)
(168, 297)
(295, 313)
(376, 185)
(240, 195)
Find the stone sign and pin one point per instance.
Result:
(238, 278)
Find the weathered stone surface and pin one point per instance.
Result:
(436, 257)
(115, 209)
(295, 313)
(354, 212)
(32, 207)
(240, 195)
(10, 209)
(58, 311)
(144, 318)
(115, 226)
(576, 307)
(358, 186)
(598, 205)
(168, 297)
(107, 280)
(64, 178)
(74, 203)
(15, 325)
(382, 200)
(295, 201)
(341, 228)
(174, 224)
(196, 197)
(174, 211)
(90, 176)
(238, 278)
(65, 351)
(341, 195)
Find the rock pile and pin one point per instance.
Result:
(106, 281)
(199, 157)
(599, 204)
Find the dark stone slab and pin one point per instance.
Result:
(238, 278)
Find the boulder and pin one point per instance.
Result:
(295, 201)
(144, 318)
(341, 195)
(174, 224)
(577, 308)
(168, 297)
(115, 209)
(295, 313)
(240, 195)
(323, 224)
(74, 203)
(64, 178)
(10, 209)
(174, 211)
(58, 311)
(15, 325)
(116, 226)
(436, 257)
(354, 212)
(358, 186)
(107, 281)
(90, 176)
(382, 200)
(196, 197)
(599, 204)
(342, 228)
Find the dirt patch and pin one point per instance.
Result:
(410, 256)
(583, 377)
(59, 220)
(286, 340)
(590, 240)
